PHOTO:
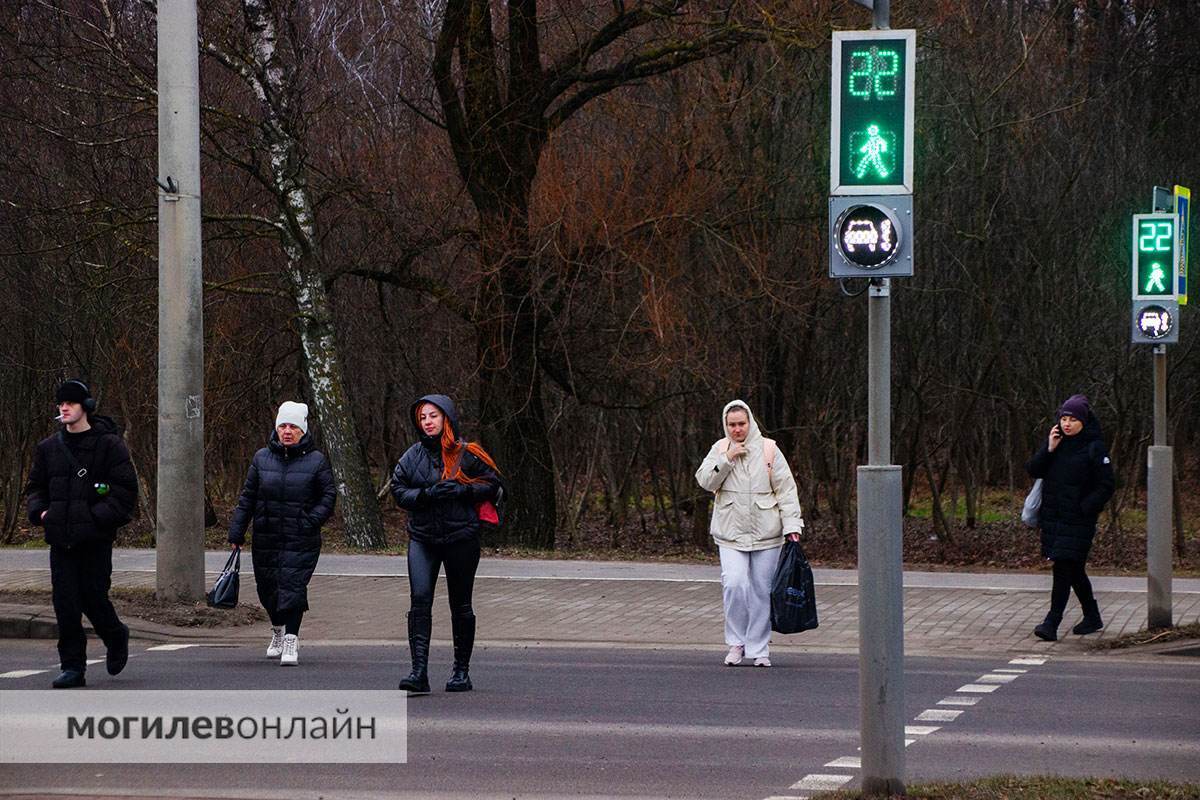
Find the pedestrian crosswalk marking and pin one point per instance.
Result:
(958, 700)
(22, 673)
(1035, 661)
(170, 647)
(1012, 670)
(978, 688)
(996, 677)
(846, 762)
(920, 730)
(822, 782)
(937, 715)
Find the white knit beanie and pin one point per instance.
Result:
(295, 413)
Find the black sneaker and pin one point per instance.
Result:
(118, 653)
(1087, 626)
(69, 679)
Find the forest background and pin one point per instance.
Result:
(593, 223)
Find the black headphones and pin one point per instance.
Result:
(89, 402)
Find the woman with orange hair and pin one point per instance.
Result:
(447, 485)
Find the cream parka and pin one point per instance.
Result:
(753, 506)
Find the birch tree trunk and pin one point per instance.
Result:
(271, 78)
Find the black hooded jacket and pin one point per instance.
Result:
(1077, 482)
(76, 512)
(289, 494)
(446, 520)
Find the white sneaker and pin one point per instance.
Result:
(275, 648)
(762, 661)
(290, 657)
(735, 655)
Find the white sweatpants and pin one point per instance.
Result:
(746, 589)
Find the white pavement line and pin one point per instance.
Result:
(846, 762)
(170, 647)
(1012, 670)
(978, 688)
(920, 730)
(937, 715)
(821, 783)
(907, 742)
(788, 797)
(91, 661)
(956, 700)
(22, 673)
(997, 677)
(1035, 661)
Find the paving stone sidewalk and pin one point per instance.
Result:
(593, 604)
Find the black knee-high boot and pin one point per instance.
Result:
(419, 630)
(464, 643)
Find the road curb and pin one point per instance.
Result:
(38, 622)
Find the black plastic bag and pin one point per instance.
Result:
(793, 594)
(224, 593)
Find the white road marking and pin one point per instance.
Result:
(996, 677)
(822, 783)
(907, 742)
(958, 700)
(920, 730)
(1035, 661)
(937, 715)
(788, 797)
(170, 647)
(22, 673)
(978, 688)
(1011, 669)
(94, 661)
(846, 762)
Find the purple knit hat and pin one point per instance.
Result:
(1076, 406)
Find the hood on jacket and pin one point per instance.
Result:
(754, 438)
(102, 425)
(444, 404)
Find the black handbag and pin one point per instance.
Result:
(793, 592)
(224, 593)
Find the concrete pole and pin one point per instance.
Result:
(1159, 505)
(880, 570)
(180, 513)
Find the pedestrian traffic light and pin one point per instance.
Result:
(1154, 257)
(871, 131)
(870, 237)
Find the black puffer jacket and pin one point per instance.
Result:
(289, 494)
(445, 520)
(1077, 482)
(76, 512)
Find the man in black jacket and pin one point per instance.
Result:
(82, 488)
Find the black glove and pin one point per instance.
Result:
(443, 490)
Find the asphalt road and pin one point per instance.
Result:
(609, 722)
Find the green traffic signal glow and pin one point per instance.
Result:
(871, 111)
(1154, 255)
(873, 72)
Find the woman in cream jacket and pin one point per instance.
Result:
(754, 506)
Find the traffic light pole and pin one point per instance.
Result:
(880, 569)
(179, 525)
(1159, 505)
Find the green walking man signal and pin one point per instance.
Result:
(1154, 256)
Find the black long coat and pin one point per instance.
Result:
(448, 520)
(76, 512)
(1077, 480)
(289, 494)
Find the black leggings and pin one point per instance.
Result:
(1069, 575)
(288, 620)
(424, 560)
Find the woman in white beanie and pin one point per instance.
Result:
(289, 494)
(755, 504)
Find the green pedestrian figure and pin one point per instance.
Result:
(873, 151)
(1156, 278)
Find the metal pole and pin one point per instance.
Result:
(879, 374)
(883, 15)
(179, 527)
(1159, 505)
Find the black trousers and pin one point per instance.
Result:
(461, 560)
(81, 576)
(1069, 575)
(288, 620)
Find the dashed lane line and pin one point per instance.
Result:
(979, 688)
(22, 673)
(938, 715)
(958, 700)
(822, 783)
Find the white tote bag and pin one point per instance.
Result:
(1033, 504)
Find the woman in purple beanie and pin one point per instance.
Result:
(1077, 480)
